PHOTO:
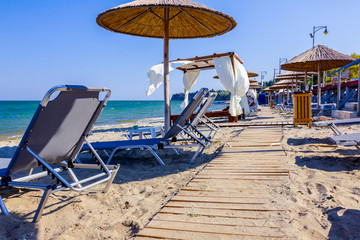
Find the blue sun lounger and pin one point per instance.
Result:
(52, 141)
(182, 124)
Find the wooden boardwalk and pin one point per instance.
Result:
(255, 123)
(233, 197)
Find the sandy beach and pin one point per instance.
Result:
(323, 189)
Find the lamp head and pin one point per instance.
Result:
(311, 35)
(326, 31)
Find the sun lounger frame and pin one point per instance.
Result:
(181, 126)
(108, 172)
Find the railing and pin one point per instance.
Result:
(339, 83)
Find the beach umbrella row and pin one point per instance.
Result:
(166, 19)
(318, 58)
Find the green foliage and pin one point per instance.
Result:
(222, 95)
(354, 70)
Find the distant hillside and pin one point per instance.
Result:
(222, 95)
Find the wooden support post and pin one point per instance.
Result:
(166, 72)
(319, 88)
(338, 91)
(358, 92)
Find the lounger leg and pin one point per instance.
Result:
(42, 204)
(3, 208)
(176, 151)
(108, 184)
(155, 155)
(73, 177)
(200, 150)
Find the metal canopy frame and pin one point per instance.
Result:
(205, 62)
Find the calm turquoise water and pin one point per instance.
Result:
(15, 116)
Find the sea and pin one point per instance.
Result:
(15, 116)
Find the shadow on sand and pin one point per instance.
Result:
(345, 223)
(329, 163)
(135, 165)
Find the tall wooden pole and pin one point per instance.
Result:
(338, 91)
(166, 72)
(319, 87)
(306, 85)
(358, 106)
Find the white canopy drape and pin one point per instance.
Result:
(189, 80)
(244, 103)
(235, 80)
(156, 74)
(253, 93)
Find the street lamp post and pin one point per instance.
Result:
(315, 29)
(274, 75)
(262, 77)
(281, 60)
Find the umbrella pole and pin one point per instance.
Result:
(166, 72)
(292, 88)
(319, 87)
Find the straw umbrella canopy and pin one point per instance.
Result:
(251, 80)
(318, 58)
(254, 86)
(166, 19)
(293, 74)
(251, 74)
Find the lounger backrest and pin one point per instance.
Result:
(185, 115)
(203, 108)
(59, 126)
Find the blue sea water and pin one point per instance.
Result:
(15, 116)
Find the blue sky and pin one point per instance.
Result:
(45, 43)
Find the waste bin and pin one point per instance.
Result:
(271, 103)
(302, 109)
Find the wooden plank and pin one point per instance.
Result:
(244, 167)
(226, 221)
(218, 200)
(240, 169)
(215, 229)
(189, 235)
(235, 175)
(197, 189)
(218, 213)
(224, 206)
(225, 195)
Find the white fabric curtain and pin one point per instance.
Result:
(244, 103)
(189, 79)
(253, 93)
(156, 74)
(235, 80)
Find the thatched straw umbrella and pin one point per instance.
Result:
(291, 75)
(318, 58)
(251, 74)
(286, 84)
(254, 86)
(166, 19)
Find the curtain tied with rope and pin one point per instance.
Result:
(233, 76)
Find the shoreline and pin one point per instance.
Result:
(120, 124)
